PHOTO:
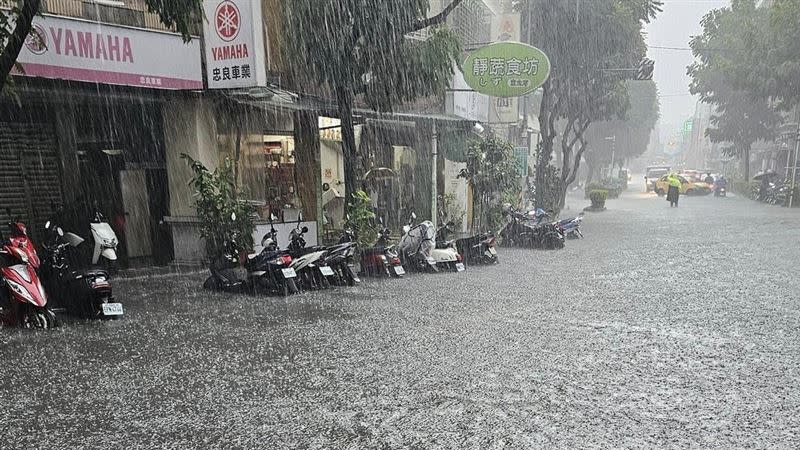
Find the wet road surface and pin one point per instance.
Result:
(664, 327)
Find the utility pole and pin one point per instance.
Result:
(613, 140)
(794, 165)
(434, 171)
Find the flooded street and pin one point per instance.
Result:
(663, 327)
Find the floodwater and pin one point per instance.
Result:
(664, 327)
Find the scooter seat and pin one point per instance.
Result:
(95, 272)
(444, 244)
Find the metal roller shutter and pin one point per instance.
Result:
(30, 180)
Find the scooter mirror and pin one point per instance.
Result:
(273, 217)
(300, 216)
(60, 231)
(47, 225)
(413, 215)
(304, 229)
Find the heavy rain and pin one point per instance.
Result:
(411, 224)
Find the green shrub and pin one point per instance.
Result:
(598, 198)
(613, 188)
(362, 220)
(226, 221)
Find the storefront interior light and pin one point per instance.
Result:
(112, 151)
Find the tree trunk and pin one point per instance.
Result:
(309, 175)
(17, 39)
(545, 150)
(344, 97)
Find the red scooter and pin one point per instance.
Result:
(382, 260)
(20, 282)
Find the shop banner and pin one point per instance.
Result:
(467, 103)
(506, 69)
(80, 50)
(234, 40)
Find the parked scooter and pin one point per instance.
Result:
(83, 292)
(339, 258)
(520, 232)
(22, 289)
(271, 269)
(445, 253)
(308, 262)
(416, 245)
(571, 228)
(105, 242)
(382, 259)
(478, 249)
(223, 275)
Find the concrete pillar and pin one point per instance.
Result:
(190, 128)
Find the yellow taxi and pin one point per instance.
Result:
(689, 186)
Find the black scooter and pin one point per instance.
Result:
(270, 270)
(478, 249)
(83, 292)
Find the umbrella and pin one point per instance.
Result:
(765, 174)
(380, 173)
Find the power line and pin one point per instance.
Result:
(661, 47)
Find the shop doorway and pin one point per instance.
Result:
(136, 211)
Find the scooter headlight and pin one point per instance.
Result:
(19, 290)
(109, 242)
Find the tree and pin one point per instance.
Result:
(226, 221)
(360, 47)
(721, 76)
(774, 54)
(631, 132)
(16, 25)
(492, 171)
(583, 40)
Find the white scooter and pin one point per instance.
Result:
(416, 246)
(105, 242)
(445, 252)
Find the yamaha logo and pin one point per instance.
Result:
(36, 41)
(227, 21)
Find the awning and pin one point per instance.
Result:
(275, 98)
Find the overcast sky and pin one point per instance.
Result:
(673, 28)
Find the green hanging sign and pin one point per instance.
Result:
(506, 69)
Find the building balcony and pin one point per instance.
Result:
(131, 13)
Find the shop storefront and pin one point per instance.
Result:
(89, 129)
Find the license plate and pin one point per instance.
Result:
(326, 270)
(399, 270)
(492, 251)
(289, 273)
(112, 309)
(459, 267)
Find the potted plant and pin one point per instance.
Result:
(598, 198)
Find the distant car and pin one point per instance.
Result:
(689, 186)
(652, 174)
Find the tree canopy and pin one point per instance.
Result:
(592, 48)
(722, 76)
(361, 47)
